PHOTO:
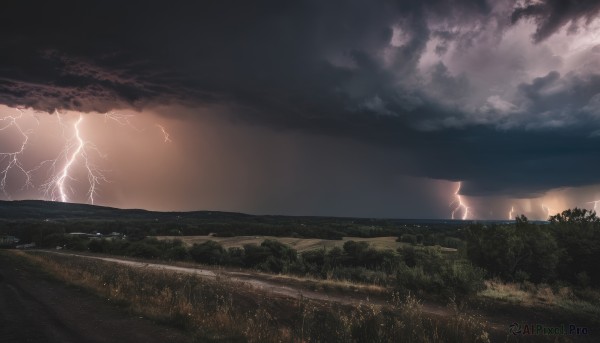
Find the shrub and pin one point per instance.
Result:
(209, 252)
(433, 274)
(504, 251)
(407, 238)
(177, 253)
(95, 245)
(255, 255)
(143, 250)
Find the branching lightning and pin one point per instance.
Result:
(165, 133)
(459, 205)
(75, 157)
(595, 202)
(75, 150)
(547, 209)
(14, 158)
(121, 119)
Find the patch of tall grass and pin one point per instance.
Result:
(223, 310)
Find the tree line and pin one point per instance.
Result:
(566, 249)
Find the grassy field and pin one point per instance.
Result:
(300, 244)
(222, 310)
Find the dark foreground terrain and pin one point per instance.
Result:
(34, 308)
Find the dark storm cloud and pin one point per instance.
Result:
(347, 68)
(552, 15)
(266, 55)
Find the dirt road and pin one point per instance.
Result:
(34, 308)
(252, 279)
(276, 288)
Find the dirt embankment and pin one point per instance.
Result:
(34, 308)
(277, 286)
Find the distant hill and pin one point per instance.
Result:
(39, 209)
(28, 219)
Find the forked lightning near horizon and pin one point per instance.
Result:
(77, 154)
(459, 204)
(14, 157)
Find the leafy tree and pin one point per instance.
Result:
(236, 256)
(279, 250)
(515, 250)
(178, 253)
(255, 255)
(576, 216)
(143, 250)
(577, 232)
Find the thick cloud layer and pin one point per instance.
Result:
(552, 15)
(503, 95)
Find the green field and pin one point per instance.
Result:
(300, 244)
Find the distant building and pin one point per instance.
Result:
(8, 241)
(26, 246)
(80, 234)
(97, 235)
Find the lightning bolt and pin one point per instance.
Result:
(13, 158)
(165, 133)
(459, 204)
(511, 212)
(75, 156)
(75, 150)
(121, 119)
(595, 202)
(547, 209)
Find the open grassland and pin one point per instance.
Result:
(299, 244)
(221, 310)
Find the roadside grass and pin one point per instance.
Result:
(222, 310)
(342, 286)
(507, 292)
(566, 300)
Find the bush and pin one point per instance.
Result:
(280, 251)
(177, 253)
(236, 256)
(512, 251)
(96, 246)
(433, 274)
(407, 238)
(143, 250)
(209, 252)
(255, 255)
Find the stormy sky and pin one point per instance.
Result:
(350, 108)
